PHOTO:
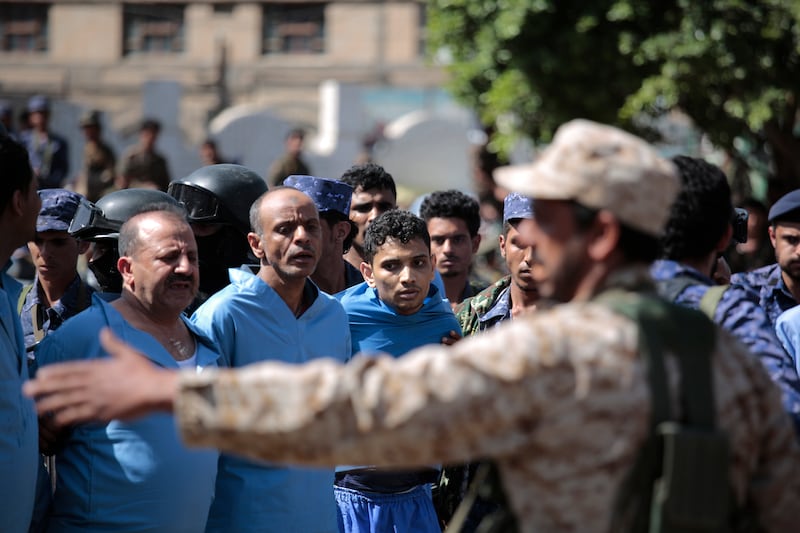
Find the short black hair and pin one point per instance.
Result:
(296, 133)
(396, 224)
(150, 124)
(369, 176)
(17, 171)
(452, 204)
(700, 214)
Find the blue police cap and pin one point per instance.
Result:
(787, 207)
(58, 209)
(38, 103)
(328, 194)
(517, 206)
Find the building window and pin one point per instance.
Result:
(294, 29)
(23, 27)
(153, 28)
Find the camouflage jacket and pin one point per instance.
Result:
(472, 309)
(559, 399)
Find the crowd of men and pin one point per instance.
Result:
(305, 356)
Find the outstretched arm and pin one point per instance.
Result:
(124, 386)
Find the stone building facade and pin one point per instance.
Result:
(97, 54)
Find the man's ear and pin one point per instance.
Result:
(502, 242)
(341, 230)
(366, 271)
(603, 236)
(18, 202)
(772, 236)
(83, 247)
(255, 245)
(125, 268)
(476, 242)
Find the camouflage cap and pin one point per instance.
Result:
(516, 206)
(601, 167)
(328, 194)
(58, 209)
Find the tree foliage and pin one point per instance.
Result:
(527, 66)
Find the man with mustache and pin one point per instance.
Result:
(778, 284)
(137, 476)
(273, 311)
(396, 310)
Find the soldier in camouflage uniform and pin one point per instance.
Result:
(515, 293)
(561, 400)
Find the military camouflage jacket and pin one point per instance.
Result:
(472, 309)
(559, 399)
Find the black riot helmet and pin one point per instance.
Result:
(103, 219)
(219, 194)
(100, 223)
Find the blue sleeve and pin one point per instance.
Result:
(218, 326)
(738, 312)
(787, 328)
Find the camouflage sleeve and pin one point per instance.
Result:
(479, 397)
(467, 317)
(765, 471)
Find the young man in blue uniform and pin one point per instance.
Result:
(396, 310)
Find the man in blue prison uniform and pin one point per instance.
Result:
(19, 207)
(778, 285)
(698, 230)
(276, 313)
(137, 476)
(396, 310)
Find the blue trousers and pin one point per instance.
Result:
(374, 512)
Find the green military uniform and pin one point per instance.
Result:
(286, 166)
(470, 310)
(97, 175)
(145, 169)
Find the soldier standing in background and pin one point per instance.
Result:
(97, 175)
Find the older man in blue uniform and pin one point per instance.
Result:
(332, 198)
(272, 311)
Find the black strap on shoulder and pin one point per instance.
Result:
(689, 336)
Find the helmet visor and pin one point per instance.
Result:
(201, 206)
(89, 221)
